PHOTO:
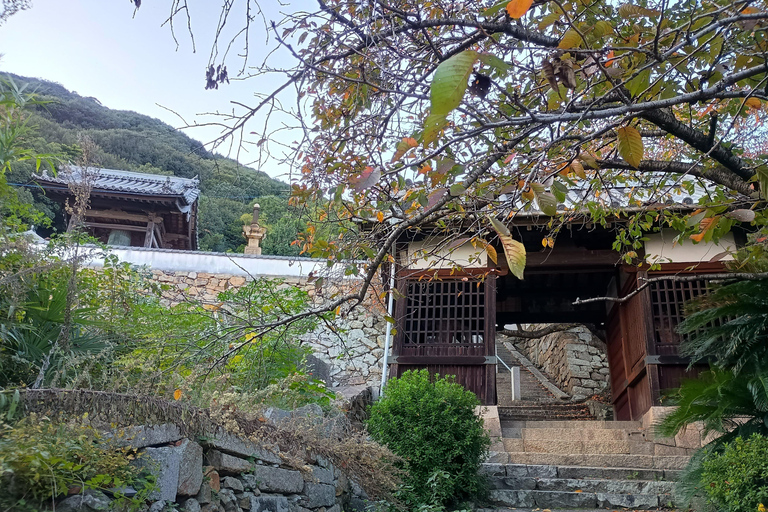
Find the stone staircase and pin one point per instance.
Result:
(537, 400)
(583, 465)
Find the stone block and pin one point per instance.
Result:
(143, 436)
(90, 501)
(318, 495)
(498, 457)
(230, 482)
(190, 468)
(269, 479)
(229, 500)
(633, 501)
(204, 495)
(164, 463)
(227, 464)
(269, 503)
(211, 476)
(192, 505)
(561, 499)
(491, 470)
(688, 438)
(243, 448)
(540, 471)
(510, 498)
(237, 280)
(322, 475)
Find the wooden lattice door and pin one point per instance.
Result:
(448, 325)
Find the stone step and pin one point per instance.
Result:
(581, 425)
(611, 446)
(613, 486)
(537, 509)
(578, 500)
(611, 460)
(576, 472)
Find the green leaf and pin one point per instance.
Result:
(495, 9)
(513, 250)
(639, 83)
(450, 82)
(546, 202)
(630, 145)
(457, 189)
(496, 63)
(433, 124)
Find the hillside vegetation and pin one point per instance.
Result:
(135, 142)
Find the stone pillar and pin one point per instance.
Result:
(254, 232)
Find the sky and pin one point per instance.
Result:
(99, 48)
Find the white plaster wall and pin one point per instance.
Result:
(439, 255)
(661, 248)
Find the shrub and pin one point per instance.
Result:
(736, 479)
(431, 424)
(41, 461)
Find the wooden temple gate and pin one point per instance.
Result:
(447, 324)
(643, 345)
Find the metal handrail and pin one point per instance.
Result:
(511, 377)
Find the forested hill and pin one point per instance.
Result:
(136, 142)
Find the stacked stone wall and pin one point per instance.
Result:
(574, 359)
(226, 473)
(351, 348)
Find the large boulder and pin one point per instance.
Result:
(190, 468)
(178, 469)
(89, 501)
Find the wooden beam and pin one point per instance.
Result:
(150, 233)
(118, 215)
(106, 225)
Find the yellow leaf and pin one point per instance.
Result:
(571, 39)
(177, 394)
(517, 8)
(578, 169)
(630, 145)
(543, 242)
(380, 216)
(513, 250)
(492, 254)
(753, 103)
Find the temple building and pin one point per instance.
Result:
(130, 208)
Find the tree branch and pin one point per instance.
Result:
(539, 332)
(757, 276)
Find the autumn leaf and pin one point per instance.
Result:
(517, 8)
(571, 39)
(177, 394)
(753, 103)
(380, 216)
(492, 254)
(403, 146)
(578, 169)
(630, 145)
(368, 178)
(513, 250)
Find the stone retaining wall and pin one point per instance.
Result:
(352, 351)
(575, 360)
(226, 473)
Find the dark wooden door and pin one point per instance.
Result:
(448, 326)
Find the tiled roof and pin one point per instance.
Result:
(185, 189)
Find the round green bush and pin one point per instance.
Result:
(431, 423)
(736, 480)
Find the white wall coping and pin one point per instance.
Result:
(173, 260)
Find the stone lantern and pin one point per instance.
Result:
(254, 232)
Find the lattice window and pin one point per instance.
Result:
(668, 300)
(448, 312)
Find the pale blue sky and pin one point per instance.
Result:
(97, 48)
